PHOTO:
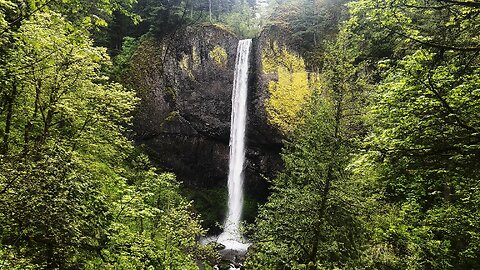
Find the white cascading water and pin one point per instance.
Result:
(231, 237)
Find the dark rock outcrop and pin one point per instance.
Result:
(185, 84)
(265, 139)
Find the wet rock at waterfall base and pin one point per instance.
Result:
(232, 259)
(233, 253)
(233, 256)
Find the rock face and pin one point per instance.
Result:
(283, 81)
(185, 84)
(276, 66)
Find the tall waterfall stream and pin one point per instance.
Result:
(231, 237)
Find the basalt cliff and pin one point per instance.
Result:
(185, 82)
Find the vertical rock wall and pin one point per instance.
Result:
(185, 83)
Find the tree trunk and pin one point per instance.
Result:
(328, 182)
(210, 9)
(323, 206)
(46, 127)
(29, 125)
(8, 119)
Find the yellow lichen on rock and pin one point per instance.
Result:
(196, 58)
(219, 56)
(188, 63)
(290, 91)
(185, 65)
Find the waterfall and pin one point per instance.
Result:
(231, 236)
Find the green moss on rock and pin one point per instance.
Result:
(290, 91)
(219, 56)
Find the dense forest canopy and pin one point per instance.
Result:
(381, 155)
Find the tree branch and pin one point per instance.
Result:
(434, 45)
(23, 17)
(462, 3)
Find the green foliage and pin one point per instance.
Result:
(424, 125)
(152, 227)
(391, 185)
(5, 7)
(312, 24)
(74, 192)
(313, 217)
(211, 204)
(122, 60)
(241, 20)
(423, 146)
(415, 177)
